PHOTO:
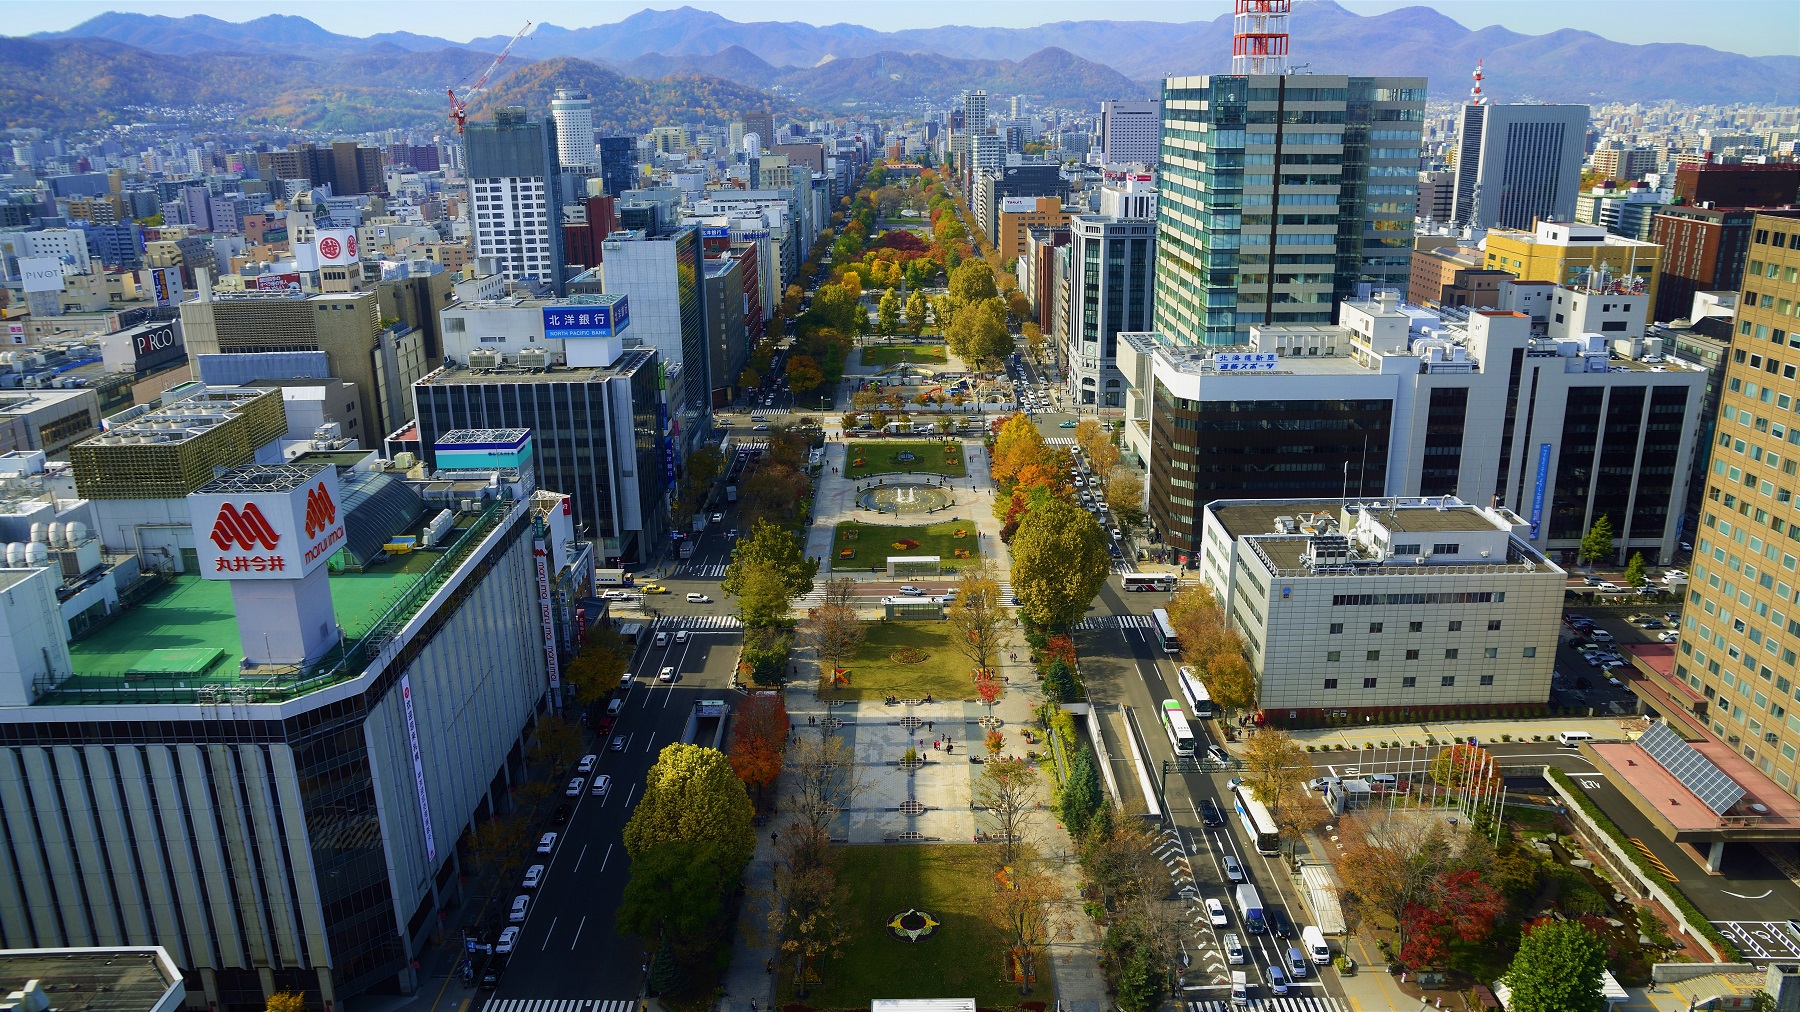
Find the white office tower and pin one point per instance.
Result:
(1517, 165)
(573, 113)
(1130, 131)
(975, 111)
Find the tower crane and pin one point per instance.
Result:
(459, 107)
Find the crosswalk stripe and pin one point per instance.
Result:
(558, 1005)
(1274, 1003)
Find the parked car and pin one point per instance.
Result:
(508, 939)
(546, 843)
(586, 765)
(533, 876)
(576, 786)
(561, 815)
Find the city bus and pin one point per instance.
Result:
(1149, 581)
(1199, 700)
(1176, 723)
(1165, 633)
(1258, 824)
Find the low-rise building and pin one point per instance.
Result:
(1403, 607)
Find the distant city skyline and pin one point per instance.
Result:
(1749, 27)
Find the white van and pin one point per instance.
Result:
(1384, 781)
(1573, 739)
(1234, 949)
(1240, 988)
(1313, 940)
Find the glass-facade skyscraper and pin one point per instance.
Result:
(1280, 195)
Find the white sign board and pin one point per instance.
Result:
(268, 535)
(336, 246)
(1018, 205)
(1244, 361)
(547, 618)
(418, 762)
(41, 274)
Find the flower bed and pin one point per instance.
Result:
(848, 553)
(912, 925)
(906, 544)
(909, 655)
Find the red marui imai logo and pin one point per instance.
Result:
(329, 248)
(352, 245)
(321, 512)
(245, 528)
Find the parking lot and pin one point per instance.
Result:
(1592, 666)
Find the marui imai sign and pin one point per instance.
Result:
(268, 534)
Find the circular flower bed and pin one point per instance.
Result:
(912, 925)
(908, 655)
(905, 458)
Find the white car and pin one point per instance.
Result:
(681, 635)
(698, 599)
(520, 904)
(508, 939)
(546, 843)
(1668, 636)
(1233, 870)
(1215, 912)
(662, 638)
(576, 786)
(533, 876)
(718, 517)
(586, 765)
(667, 674)
(602, 784)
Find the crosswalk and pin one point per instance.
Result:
(703, 571)
(1059, 441)
(555, 1005)
(698, 623)
(1271, 1003)
(1115, 622)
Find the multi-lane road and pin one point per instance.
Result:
(568, 948)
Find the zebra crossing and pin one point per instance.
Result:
(553, 1005)
(704, 571)
(1059, 441)
(1115, 622)
(1271, 1003)
(698, 623)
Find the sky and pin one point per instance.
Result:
(1751, 27)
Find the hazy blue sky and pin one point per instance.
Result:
(1754, 27)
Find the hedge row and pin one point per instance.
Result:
(1727, 951)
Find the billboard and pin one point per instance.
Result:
(580, 321)
(336, 247)
(715, 232)
(270, 533)
(155, 345)
(1018, 205)
(289, 282)
(547, 620)
(1245, 361)
(165, 285)
(418, 764)
(41, 274)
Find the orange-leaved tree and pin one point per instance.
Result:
(759, 738)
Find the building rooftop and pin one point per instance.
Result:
(184, 414)
(628, 363)
(1333, 537)
(97, 979)
(180, 643)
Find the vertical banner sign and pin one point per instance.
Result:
(549, 620)
(1537, 495)
(580, 626)
(412, 737)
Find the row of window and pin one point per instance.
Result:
(1493, 625)
(1451, 654)
(1410, 682)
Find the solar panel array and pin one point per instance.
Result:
(1697, 773)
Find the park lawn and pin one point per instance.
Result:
(930, 457)
(874, 674)
(951, 882)
(876, 356)
(874, 543)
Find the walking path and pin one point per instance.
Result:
(943, 788)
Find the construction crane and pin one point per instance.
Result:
(459, 107)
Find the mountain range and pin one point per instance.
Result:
(1068, 63)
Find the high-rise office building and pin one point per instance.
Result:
(1240, 243)
(515, 209)
(975, 111)
(344, 166)
(1518, 164)
(1734, 665)
(1623, 162)
(1437, 191)
(662, 276)
(1111, 282)
(762, 124)
(573, 114)
(1130, 131)
(618, 164)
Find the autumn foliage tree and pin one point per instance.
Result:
(759, 737)
(1213, 647)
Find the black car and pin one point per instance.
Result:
(561, 815)
(490, 977)
(1279, 923)
(1210, 813)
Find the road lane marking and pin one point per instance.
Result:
(606, 857)
(648, 741)
(577, 937)
(630, 794)
(547, 934)
(578, 858)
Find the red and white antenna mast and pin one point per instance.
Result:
(1259, 42)
(1475, 95)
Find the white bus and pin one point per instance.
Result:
(1258, 824)
(1165, 633)
(1149, 581)
(1175, 722)
(1199, 700)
